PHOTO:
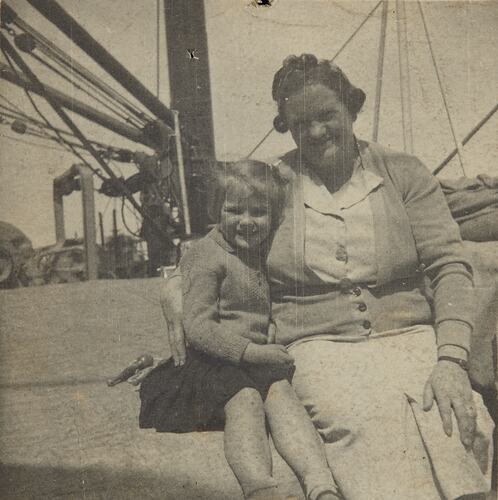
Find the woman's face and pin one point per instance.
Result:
(245, 218)
(320, 124)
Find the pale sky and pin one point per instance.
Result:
(246, 47)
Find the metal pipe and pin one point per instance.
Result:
(64, 185)
(380, 71)
(115, 242)
(57, 194)
(52, 11)
(181, 175)
(76, 106)
(101, 229)
(466, 139)
(89, 231)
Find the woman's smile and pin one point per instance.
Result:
(320, 124)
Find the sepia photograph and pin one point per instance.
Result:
(248, 249)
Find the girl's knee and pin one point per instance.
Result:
(282, 388)
(249, 395)
(248, 399)
(281, 393)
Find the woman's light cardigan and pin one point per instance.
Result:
(415, 236)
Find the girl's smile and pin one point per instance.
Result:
(245, 218)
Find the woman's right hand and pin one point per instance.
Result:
(270, 354)
(172, 305)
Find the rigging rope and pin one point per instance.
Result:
(158, 48)
(380, 70)
(9, 50)
(341, 48)
(86, 78)
(19, 110)
(110, 108)
(106, 206)
(260, 142)
(466, 139)
(27, 131)
(61, 140)
(56, 54)
(404, 76)
(123, 219)
(33, 133)
(82, 75)
(49, 125)
(34, 144)
(355, 32)
(20, 115)
(17, 115)
(458, 145)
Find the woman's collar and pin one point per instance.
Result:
(316, 195)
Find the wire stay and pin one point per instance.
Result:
(458, 144)
(341, 48)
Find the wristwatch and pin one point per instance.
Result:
(460, 362)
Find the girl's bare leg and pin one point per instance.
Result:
(247, 449)
(298, 442)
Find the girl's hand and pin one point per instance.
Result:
(272, 333)
(269, 354)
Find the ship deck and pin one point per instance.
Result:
(64, 433)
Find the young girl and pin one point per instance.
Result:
(232, 375)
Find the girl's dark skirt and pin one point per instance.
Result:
(192, 397)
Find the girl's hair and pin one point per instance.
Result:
(297, 72)
(262, 180)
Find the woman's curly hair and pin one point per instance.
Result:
(297, 72)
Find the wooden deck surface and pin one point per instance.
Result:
(63, 432)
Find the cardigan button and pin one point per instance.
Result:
(341, 254)
(367, 325)
(357, 291)
(362, 307)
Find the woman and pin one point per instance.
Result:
(363, 225)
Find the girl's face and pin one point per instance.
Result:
(245, 217)
(320, 124)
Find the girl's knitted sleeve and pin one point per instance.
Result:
(203, 272)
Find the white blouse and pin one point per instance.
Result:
(339, 234)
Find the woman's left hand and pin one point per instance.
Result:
(449, 385)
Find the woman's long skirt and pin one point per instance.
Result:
(365, 399)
